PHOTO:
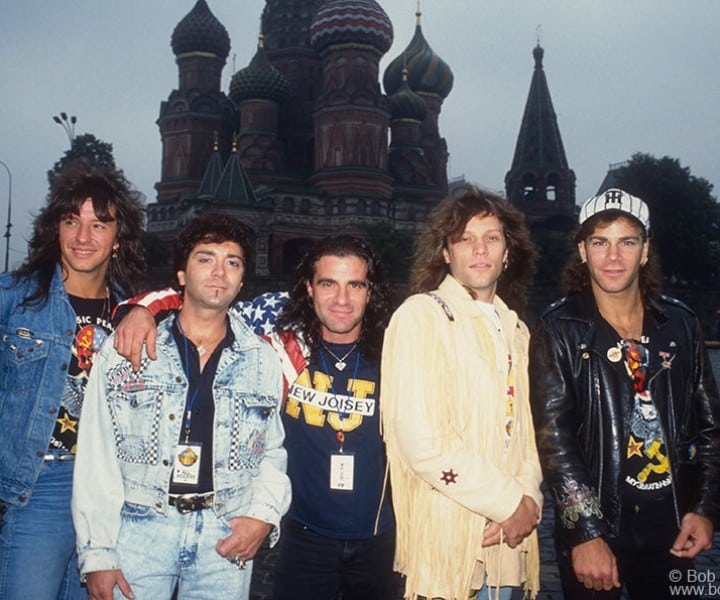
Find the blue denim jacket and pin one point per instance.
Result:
(35, 352)
(131, 425)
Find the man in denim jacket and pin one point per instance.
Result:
(187, 451)
(85, 254)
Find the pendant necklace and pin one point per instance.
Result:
(340, 364)
(340, 434)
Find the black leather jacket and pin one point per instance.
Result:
(582, 407)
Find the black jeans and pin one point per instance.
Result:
(315, 567)
(646, 567)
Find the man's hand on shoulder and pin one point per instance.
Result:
(595, 565)
(102, 583)
(136, 328)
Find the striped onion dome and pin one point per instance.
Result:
(427, 72)
(351, 21)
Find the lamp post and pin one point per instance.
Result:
(9, 224)
(68, 125)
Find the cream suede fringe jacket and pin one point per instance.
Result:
(444, 388)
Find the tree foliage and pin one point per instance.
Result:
(684, 217)
(157, 251)
(394, 248)
(85, 146)
(554, 247)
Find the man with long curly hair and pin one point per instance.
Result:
(456, 418)
(338, 536)
(85, 255)
(626, 412)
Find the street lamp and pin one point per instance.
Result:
(68, 125)
(9, 224)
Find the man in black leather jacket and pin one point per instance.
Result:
(626, 415)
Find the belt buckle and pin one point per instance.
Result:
(185, 503)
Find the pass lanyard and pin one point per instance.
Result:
(190, 403)
(340, 435)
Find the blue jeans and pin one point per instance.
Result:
(505, 592)
(37, 542)
(158, 552)
(314, 567)
(491, 593)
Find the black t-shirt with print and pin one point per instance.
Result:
(645, 464)
(92, 318)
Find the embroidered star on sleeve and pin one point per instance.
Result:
(449, 477)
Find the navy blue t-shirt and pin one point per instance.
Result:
(327, 410)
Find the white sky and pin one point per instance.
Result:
(625, 77)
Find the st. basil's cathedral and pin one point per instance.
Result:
(305, 142)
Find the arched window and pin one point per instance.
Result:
(529, 188)
(553, 187)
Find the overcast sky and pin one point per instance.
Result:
(625, 77)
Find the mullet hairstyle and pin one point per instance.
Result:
(213, 228)
(448, 220)
(299, 315)
(113, 198)
(576, 275)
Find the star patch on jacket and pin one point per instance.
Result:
(449, 477)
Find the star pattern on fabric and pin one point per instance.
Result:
(67, 424)
(634, 448)
(449, 477)
(262, 312)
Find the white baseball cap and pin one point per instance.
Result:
(615, 199)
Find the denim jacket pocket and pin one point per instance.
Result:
(22, 360)
(250, 415)
(136, 418)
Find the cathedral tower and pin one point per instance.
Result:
(197, 111)
(540, 182)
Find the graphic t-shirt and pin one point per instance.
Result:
(646, 467)
(92, 318)
(332, 412)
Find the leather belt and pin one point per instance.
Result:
(60, 457)
(191, 502)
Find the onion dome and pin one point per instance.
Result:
(351, 21)
(427, 72)
(259, 80)
(200, 31)
(406, 104)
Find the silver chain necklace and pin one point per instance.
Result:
(340, 364)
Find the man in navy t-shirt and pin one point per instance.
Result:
(339, 534)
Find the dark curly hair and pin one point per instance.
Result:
(448, 220)
(576, 275)
(113, 198)
(299, 314)
(212, 227)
